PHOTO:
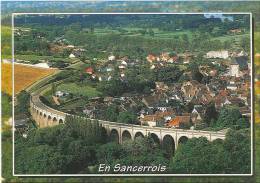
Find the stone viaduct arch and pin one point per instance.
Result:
(119, 132)
(168, 144)
(138, 134)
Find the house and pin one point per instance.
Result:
(189, 89)
(59, 94)
(109, 69)
(152, 67)
(234, 70)
(111, 58)
(89, 70)
(150, 120)
(121, 66)
(108, 99)
(232, 86)
(217, 54)
(173, 59)
(220, 102)
(70, 46)
(164, 56)
(122, 75)
(203, 96)
(186, 57)
(72, 55)
(242, 61)
(228, 100)
(155, 119)
(124, 63)
(197, 114)
(161, 86)
(153, 100)
(178, 121)
(235, 31)
(151, 58)
(193, 90)
(213, 72)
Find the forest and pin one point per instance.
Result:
(80, 146)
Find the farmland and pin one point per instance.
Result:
(24, 77)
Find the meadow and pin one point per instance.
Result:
(73, 88)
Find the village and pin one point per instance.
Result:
(183, 104)
(191, 100)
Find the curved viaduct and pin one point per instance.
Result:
(46, 116)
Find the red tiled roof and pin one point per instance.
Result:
(178, 120)
(89, 70)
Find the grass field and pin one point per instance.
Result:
(231, 37)
(166, 34)
(78, 90)
(37, 57)
(133, 32)
(24, 76)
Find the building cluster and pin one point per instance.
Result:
(181, 105)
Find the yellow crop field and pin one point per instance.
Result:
(24, 76)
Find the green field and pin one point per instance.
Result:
(84, 90)
(231, 37)
(71, 105)
(37, 57)
(165, 34)
(133, 32)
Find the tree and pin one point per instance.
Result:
(141, 151)
(127, 117)
(111, 113)
(198, 155)
(114, 87)
(242, 123)
(169, 74)
(23, 100)
(47, 160)
(68, 148)
(245, 43)
(195, 73)
(210, 113)
(109, 153)
(228, 117)
(238, 151)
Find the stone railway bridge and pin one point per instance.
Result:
(46, 116)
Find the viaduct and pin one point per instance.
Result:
(46, 116)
